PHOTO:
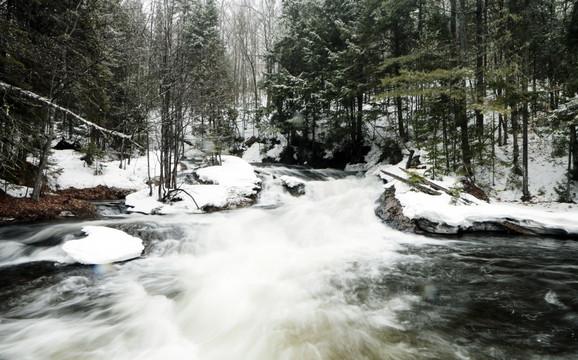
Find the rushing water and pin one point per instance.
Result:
(315, 277)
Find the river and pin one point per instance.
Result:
(313, 277)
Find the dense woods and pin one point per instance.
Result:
(456, 78)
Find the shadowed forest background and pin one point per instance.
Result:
(454, 78)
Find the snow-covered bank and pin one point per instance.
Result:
(229, 185)
(444, 214)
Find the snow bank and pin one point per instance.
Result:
(231, 184)
(75, 172)
(441, 209)
(233, 171)
(103, 246)
(253, 153)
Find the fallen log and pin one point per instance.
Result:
(437, 187)
(416, 186)
(511, 227)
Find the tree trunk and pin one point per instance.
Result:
(359, 120)
(44, 155)
(480, 86)
(402, 133)
(525, 180)
(574, 151)
(516, 148)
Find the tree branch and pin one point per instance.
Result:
(46, 101)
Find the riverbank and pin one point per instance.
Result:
(71, 202)
(410, 203)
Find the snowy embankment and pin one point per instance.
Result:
(444, 214)
(229, 185)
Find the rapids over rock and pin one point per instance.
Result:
(318, 276)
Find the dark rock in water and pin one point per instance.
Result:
(294, 188)
(390, 211)
(18, 280)
(147, 233)
(232, 205)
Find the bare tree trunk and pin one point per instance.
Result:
(516, 149)
(480, 86)
(574, 152)
(525, 179)
(402, 133)
(44, 155)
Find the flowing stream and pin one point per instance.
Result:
(313, 277)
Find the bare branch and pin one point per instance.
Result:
(46, 101)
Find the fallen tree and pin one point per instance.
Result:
(46, 101)
(43, 158)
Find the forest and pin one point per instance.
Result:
(454, 78)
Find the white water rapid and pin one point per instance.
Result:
(248, 284)
(315, 277)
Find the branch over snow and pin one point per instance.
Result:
(46, 101)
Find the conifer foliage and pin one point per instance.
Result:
(457, 78)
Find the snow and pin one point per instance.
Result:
(233, 171)
(253, 153)
(291, 181)
(233, 182)
(442, 208)
(230, 183)
(75, 172)
(103, 246)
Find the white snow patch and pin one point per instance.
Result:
(75, 172)
(233, 171)
(253, 153)
(103, 245)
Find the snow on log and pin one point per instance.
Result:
(412, 184)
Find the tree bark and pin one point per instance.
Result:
(401, 128)
(525, 179)
(480, 86)
(44, 155)
(574, 151)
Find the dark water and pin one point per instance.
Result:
(318, 277)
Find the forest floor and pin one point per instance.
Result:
(60, 204)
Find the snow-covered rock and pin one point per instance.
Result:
(230, 185)
(103, 245)
(293, 185)
(233, 171)
(444, 215)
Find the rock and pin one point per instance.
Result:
(294, 186)
(390, 211)
(475, 191)
(65, 145)
(390, 152)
